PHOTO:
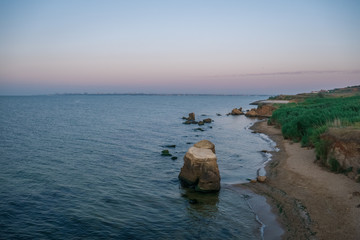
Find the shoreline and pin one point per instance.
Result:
(310, 201)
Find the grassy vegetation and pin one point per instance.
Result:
(305, 121)
(337, 92)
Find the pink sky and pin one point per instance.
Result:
(183, 47)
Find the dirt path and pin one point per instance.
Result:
(312, 202)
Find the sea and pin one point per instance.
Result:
(90, 167)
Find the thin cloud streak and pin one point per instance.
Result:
(283, 73)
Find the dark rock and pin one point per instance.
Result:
(173, 158)
(165, 153)
(201, 123)
(193, 201)
(199, 129)
(207, 120)
(218, 114)
(190, 122)
(189, 143)
(170, 146)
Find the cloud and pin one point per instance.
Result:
(293, 73)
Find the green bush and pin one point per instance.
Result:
(306, 121)
(334, 165)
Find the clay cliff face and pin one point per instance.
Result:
(344, 147)
(261, 111)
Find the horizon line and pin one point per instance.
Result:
(134, 94)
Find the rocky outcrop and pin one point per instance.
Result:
(343, 150)
(261, 111)
(236, 111)
(190, 119)
(200, 169)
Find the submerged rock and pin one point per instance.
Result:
(200, 169)
(171, 146)
(193, 201)
(190, 122)
(165, 153)
(201, 123)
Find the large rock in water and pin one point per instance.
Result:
(200, 168)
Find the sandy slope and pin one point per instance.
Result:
(312, 202)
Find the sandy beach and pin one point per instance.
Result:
(311, 201)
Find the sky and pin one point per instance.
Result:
(178, 46)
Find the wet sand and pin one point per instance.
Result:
(311, 201)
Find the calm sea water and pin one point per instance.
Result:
(90, 166)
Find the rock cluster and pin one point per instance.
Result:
(236, 111)
(191, 120)
(200, 169)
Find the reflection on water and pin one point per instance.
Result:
(201, 204)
